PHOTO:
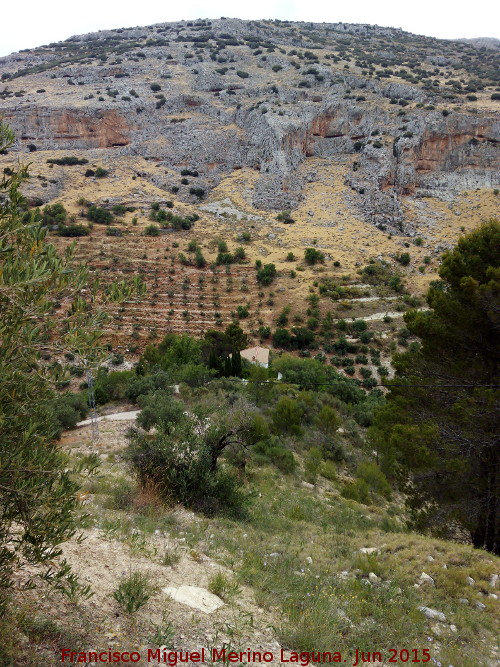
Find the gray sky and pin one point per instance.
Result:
(35, 22)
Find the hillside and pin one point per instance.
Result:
(374, 139)
(290, 185)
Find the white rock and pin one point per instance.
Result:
(493, 596)
(430, 559)
(309, 560)
(437, 629)
(372, 577)
(195, 597)
(463, 601)
(306, 485)
(470, 581)
(481, 606)
(493, 580)
(432, 614)
(425, 579)
(369, 550)
(453, 628)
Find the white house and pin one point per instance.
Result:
(256, 355)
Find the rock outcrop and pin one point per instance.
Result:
(201, 95)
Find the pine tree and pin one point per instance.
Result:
(440, 429)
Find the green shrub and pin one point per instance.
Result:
(100, 215)
(219, 584)
(403, 258)
(178, 463)
(327, 420)
(358, 491)
(114, 231)
(313, 256)
(159, 407)
(111, 386)
(54, 214)
(372, 475)
(266, 274)
(73, 230)
(68, 160)
(271, 450)
(101, 173)
(312, 464)
(133, 592)
(287, 416)
(328, 470)
(68, 409)
(152, 230)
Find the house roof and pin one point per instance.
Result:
(256, 355)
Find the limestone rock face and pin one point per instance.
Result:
(202, 95)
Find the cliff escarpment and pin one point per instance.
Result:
(408, 116)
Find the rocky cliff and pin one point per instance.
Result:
(409, 116)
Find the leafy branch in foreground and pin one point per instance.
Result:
(38, 499)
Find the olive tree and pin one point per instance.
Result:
(38, 501)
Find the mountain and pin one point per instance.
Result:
(372, 137)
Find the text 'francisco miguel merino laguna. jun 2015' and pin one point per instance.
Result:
(224, 655)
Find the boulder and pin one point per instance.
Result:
(432, 614)
(195, 597)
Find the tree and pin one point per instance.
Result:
(443, 437)
(38, 500)
(313, 256)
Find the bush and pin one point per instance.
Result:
(328, 470)
(372, 475)
(68, 409)
(312, 463)
(198, 192)
(245, 75)
(327, 420)
(178, 463)
(357, 491)
(100, 215)
(101, 173)
(313, 256)
(114, 231)
(271, 450)
(403, 258)
(152, 230)
(287, 416)
(155, 87)
(68, 160)
(157, 408)
(266, 274)
(111, 386)
(73, 230)
(134, 592)
(54, 214)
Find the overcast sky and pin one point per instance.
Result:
(35, 22)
